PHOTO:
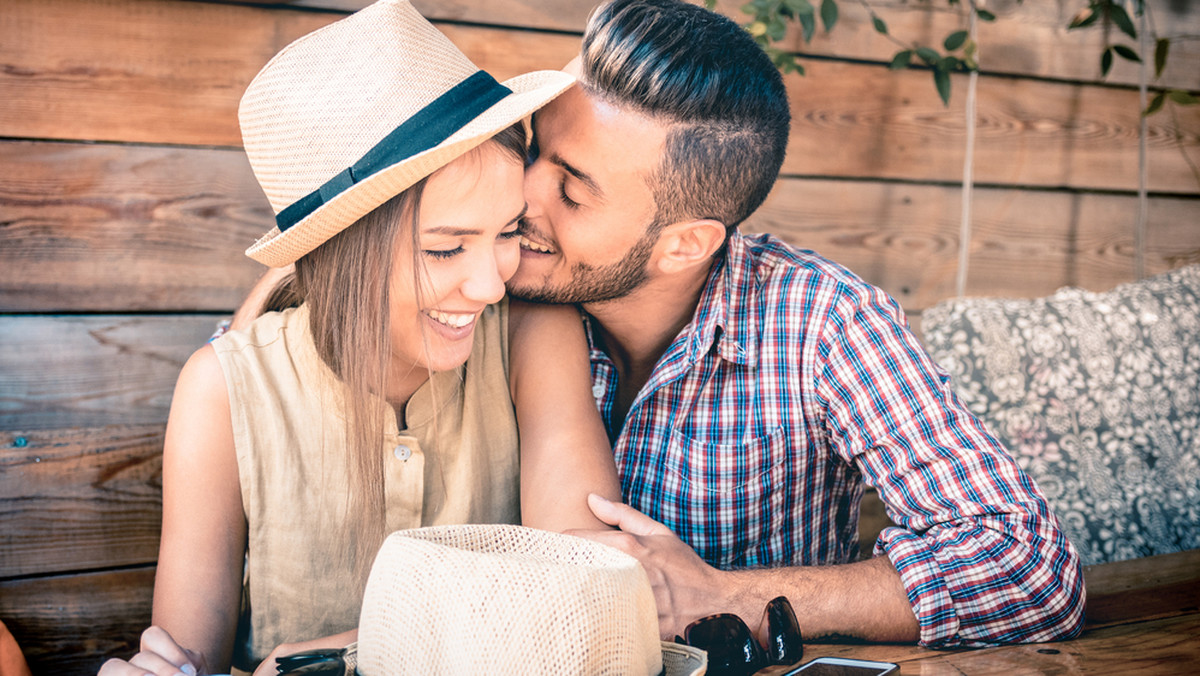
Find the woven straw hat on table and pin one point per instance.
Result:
(500, 599)
(351, 115)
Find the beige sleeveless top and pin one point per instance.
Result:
(289, 434)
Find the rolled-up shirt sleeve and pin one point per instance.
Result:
(981, 556)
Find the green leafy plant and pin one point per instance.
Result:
(769, 21)
(769, 25)
(1108, 13)
(958, 53)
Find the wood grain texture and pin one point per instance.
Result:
(855, 120)
(1153, 633)
(68, 625)
(1153, 586)
(98, 71)
(1161, 648)
(110, 228)
(136, 228)
(1025, 243)
(1028, 38)
(127, 70)
(64, 372)
(172, 72)
(80, 499)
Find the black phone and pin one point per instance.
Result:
(841, 666)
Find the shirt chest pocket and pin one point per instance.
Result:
(725, 467)
(726, 492)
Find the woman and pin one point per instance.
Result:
(295, 445)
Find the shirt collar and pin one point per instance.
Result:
(723, 313)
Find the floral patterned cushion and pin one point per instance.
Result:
(1098, 397)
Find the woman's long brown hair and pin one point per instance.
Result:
(345, 284)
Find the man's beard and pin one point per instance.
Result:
(590, 284)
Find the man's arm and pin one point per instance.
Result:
(978, 559)
(982, 559)
(256, 300)
(864, 600)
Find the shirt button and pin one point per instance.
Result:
(403, 452)
(597, 391)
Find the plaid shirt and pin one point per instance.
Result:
(796, 381)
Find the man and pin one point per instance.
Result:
(748, 387)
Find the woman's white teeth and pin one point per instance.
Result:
(534, 246)
(456, 321)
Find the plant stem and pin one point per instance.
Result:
(1139, 233)
(889, 36)
(964, 229)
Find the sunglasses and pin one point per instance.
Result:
(732, 648)
(321, 662)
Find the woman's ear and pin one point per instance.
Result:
(689, 243)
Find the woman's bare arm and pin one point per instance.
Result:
(565, 452)
(198, 585)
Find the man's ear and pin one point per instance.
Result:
(689, 243)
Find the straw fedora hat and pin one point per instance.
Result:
(351, 115)
(500, 599)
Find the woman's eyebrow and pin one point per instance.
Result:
(452, 231)
(459, 231)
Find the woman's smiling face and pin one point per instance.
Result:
(469, 215)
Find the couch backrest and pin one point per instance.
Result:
(1098, 397)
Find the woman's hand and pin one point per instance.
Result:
(267, 667)
(159, 655)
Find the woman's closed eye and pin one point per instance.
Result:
(518, 229)
(442, 254)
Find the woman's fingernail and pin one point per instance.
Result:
(189, 670)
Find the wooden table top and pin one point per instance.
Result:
(1143, 617)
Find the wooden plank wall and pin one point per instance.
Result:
(125, 203)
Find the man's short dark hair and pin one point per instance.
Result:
(703, 75)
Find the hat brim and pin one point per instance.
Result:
(529, 92)
(682, 660)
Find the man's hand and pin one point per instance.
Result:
(685, 587)
(256, 300)
(865, 599)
